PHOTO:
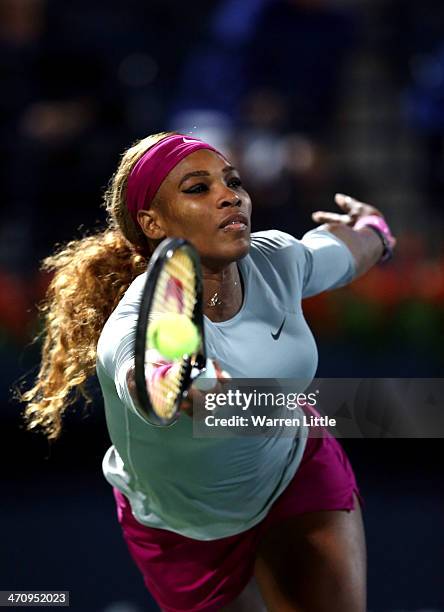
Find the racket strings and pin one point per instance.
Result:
(175, 293)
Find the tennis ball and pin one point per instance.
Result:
(173, 335)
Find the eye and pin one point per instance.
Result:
(235, 182)
(198, 188)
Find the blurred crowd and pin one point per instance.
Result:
(270, 82)
(84, 79)
(309, 98)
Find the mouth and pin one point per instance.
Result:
(237, 222)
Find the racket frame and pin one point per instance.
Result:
(194, 364)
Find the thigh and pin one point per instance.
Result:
(249, 600)
(187, 574)
(314, 562)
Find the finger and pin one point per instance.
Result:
(186, 406)
(211, 378)
(321, 216)
(220, 373)
(217, 367)
(346, 202)
(194, 393)
(355, 208)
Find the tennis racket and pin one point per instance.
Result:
(173, 286)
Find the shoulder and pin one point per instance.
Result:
(270, 241)
(133, 294)
(276, 247)
(117, 336)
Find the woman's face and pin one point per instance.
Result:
(203, 201)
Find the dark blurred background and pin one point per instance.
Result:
(309, 97)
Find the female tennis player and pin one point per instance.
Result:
(206, 520)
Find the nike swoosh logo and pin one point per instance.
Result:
(278, 333)
(190, 140)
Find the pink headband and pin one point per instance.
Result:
(152, 168)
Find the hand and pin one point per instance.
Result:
(364, 246)
(352, 208)
(195, 394)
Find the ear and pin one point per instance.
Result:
(150, 222)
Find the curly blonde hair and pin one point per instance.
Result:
(90, 277)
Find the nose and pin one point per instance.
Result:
(229, 198)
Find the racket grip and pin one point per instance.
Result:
(206, 380)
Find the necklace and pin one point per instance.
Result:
(215, 299)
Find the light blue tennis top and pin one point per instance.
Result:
(208, 488)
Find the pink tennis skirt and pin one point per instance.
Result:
(187, 575)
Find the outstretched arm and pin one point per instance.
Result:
(364, 243)
(157, 371)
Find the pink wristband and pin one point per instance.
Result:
(380, 226)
